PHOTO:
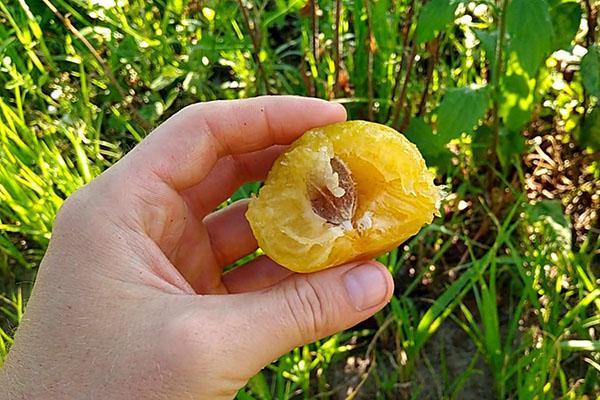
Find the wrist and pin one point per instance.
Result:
(9, 391)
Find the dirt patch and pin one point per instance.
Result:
(446, 356)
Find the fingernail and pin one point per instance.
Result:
(366, 286)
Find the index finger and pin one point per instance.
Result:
(184, 149)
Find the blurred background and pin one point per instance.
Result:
(498, 298)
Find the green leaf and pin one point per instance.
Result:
(589, 135)
(259, 386)
(152, 111)
(432, 146)
(128, 49)
(578, 308)
(433, 18)
(580, 345)
(517, 96)
(481, 140)
(176, 6)
(590, 70)
(420, 133)
(385, 28)
(460, 110)
(530, 28)
(510, 143)
(566, 18)
(243, 395)
(167, 76)
(488, 42)
(245, 191)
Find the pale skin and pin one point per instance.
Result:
(131, 301)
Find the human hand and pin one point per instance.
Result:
(131, 301)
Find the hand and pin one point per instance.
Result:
(131, 301)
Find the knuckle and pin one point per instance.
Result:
(69, 209)
(185, 342)
(307, 307)
(190, 109)
(187, 352)
(162, 212)
(195, 110)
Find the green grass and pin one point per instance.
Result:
(516, 280)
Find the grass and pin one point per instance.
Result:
(509, 269)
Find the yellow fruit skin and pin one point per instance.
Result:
(396, 196)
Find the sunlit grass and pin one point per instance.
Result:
(83, 82)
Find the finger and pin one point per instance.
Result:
(229, 231)
(195, 260)
(183, 150)
(227, 176)
(304, 308)
(258, 274)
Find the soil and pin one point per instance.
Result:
(450, 349)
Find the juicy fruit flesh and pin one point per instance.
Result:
(343, 192)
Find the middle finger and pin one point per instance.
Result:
(227, 176)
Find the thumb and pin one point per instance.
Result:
(306, 307)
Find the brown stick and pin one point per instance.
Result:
(370, 50)
(308, 83)
(590, 39)
(431, 63)
(67, 22)
(406, 31)
(315, 40)
(254, 35)
(405, 120)
(400, 101)
(591, 35)
(496, 75)
(337, 46)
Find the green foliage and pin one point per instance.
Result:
(590, 130)
(590, 70)
(566, 18)
(512, 143)
(517, 95)
(432, 146)
(433, 18)
(461, 110)
(466, 80)
(530, 28)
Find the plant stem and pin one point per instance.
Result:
(496, 74)
(370, 50)
(406, 33)
(400, 101)
(254, 35)
(590, 39)
(591, 19)
(308, 83)
(315, 40)
(337, 46)
(431, 63)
